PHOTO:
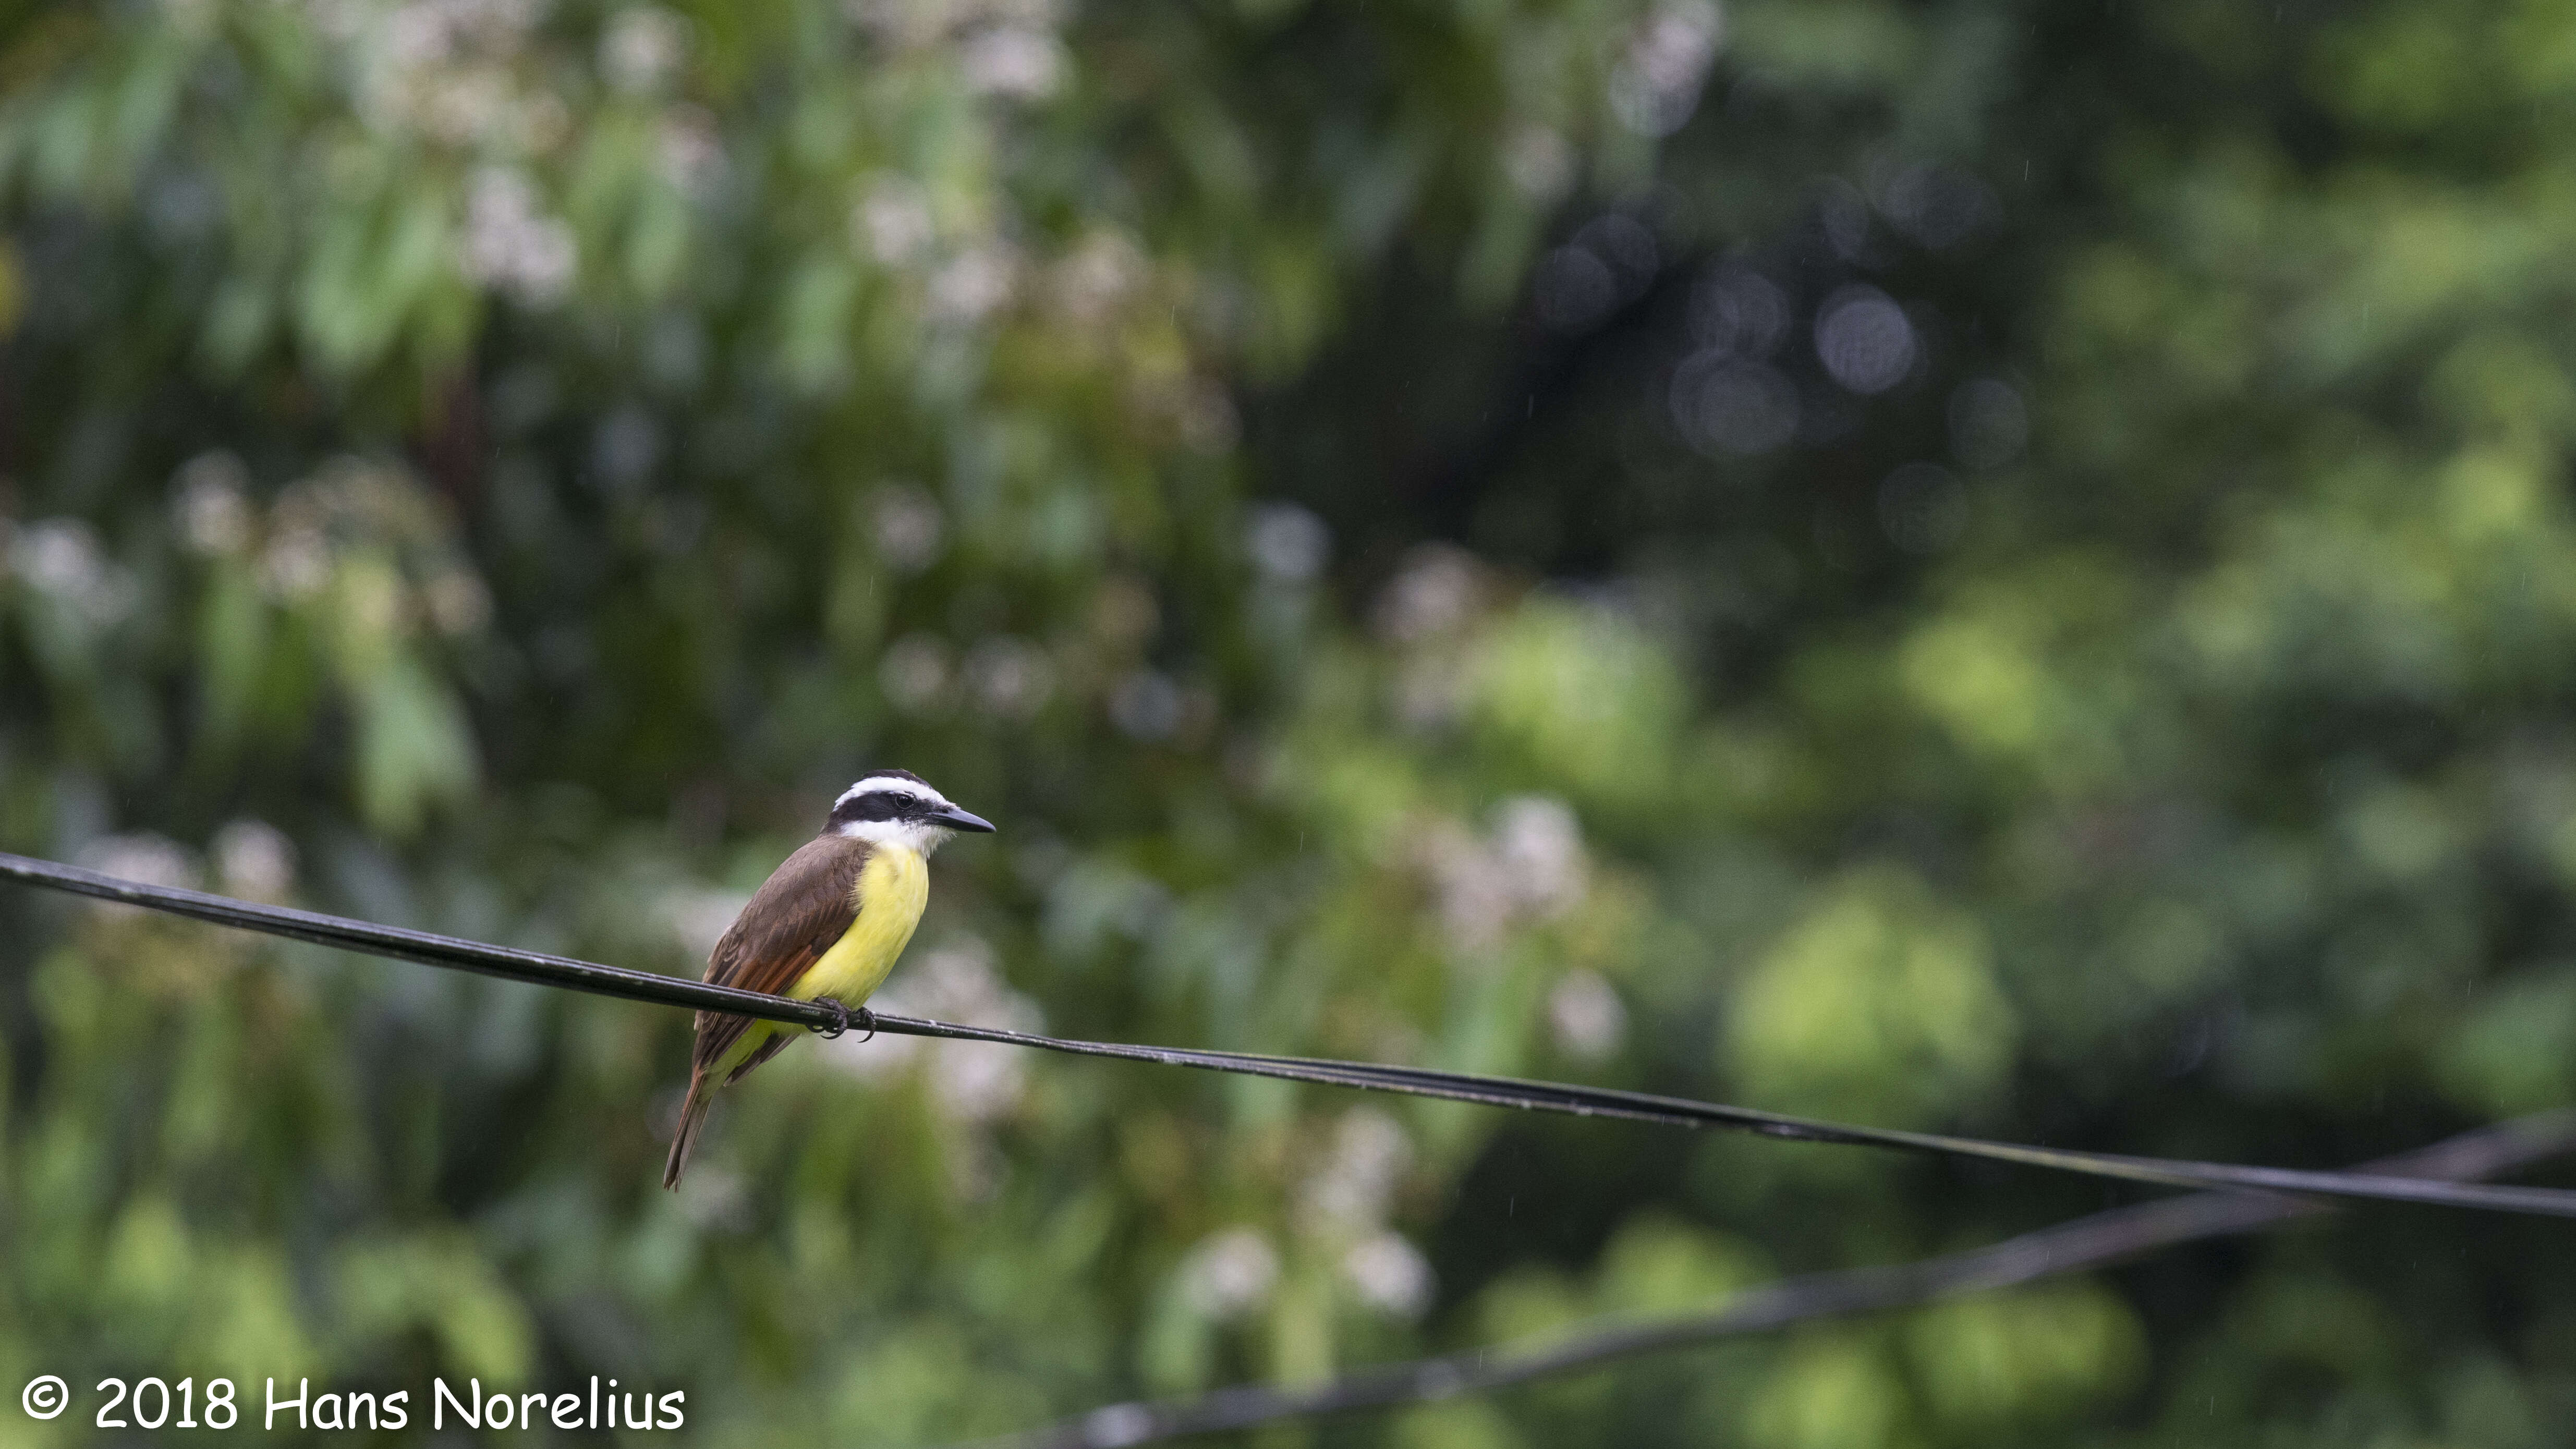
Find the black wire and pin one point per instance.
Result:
(542, 969)
(2088, 1242)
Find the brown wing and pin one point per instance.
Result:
(795, 916)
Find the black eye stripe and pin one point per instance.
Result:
(880, 805)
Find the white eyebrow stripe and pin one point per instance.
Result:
(905, 788)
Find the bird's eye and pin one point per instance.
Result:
(874, 805)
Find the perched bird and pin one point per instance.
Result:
(826, 925)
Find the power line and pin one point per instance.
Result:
(2084, 1243)
(542, 969)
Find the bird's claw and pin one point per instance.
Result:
(843, 1017)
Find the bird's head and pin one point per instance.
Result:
(898, 807)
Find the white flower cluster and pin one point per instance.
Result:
(1288, 544)
(1009, 678)
(909, 527)
(1003, 676)
(1097, 277)
(142, 857)
(1005, 48)
(961, 265)
(1342, 1208)
(1428, 611)
(510, 243)
(1656, 84)
(214, 512)
(1017, 61)
(973, 284)
(253, 860)
(1532, 867)
(61, 559)
(966, 272)
(1586, 1017)
(690, 151)
(642, 48)
(1345, 1204)
(1438, 589)
(465, 74)
(970, 1082)
(297, 549)
(445, 69)
(1229, 1274)
(892, 221)
(1356, 1182)
(1389, 1274)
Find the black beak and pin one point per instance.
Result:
(956, 819)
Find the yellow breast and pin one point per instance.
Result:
(893, 887)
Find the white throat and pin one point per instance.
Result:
(917, 836)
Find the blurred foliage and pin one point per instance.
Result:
(1973, 564)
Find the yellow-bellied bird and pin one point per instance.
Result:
(826, 925)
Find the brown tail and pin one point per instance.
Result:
(702, 1095)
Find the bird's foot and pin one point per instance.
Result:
(843, 1018)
